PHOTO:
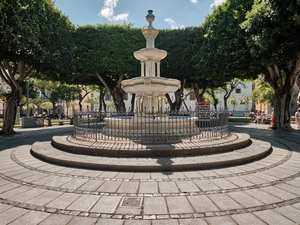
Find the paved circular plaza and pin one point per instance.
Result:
(266, 191)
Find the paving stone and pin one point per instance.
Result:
(109, 186)
(44, 198)
(223, 183)
(56, 219)
(74, 183)
(187, 186)
(107, 204)
(128, 187)
(224, 202)
(224, 220)
(247, 219)
(141, 175)
(13, 192)
(253, 179)
(206, 185)
(124, 175)
(8, 187)
(239, 181)
(178, 204)
(31, 218)
(148, 187)
(110, 222)
(167, 187)
(207, 173)
(244, 199)
(202, 203)
(137, 222)
(109, 174)
(91, 185)
(83, 221)
(263, 196)
(11, 214)
(290, 212)
(63, 201)
(155, 205)
(197, 221)
(4, 207)
(158, 175)
(31, 193)
(59, 181)
(279, 192)
(176, 175)
(272, 217)
(84, 203)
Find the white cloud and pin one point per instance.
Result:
(173, 24)
(217, 2)
(107, 11)
(194, 1)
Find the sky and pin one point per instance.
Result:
(169, 14)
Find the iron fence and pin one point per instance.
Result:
(168, 127)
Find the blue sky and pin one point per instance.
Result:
(169, 14)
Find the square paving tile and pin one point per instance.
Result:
(84, 203)
(224, 202)
(179, 204)
(155, 205)
(272, 217)
(107, 204)
(247, 219)
(148, 187)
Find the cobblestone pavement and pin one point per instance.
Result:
(262, 192)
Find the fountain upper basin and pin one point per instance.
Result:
(145, 54)
(156, 86)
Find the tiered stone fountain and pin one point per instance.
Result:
(150, 89)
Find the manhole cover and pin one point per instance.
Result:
(134, 202)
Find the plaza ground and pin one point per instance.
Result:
(266, 191)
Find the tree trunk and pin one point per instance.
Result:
(199, 96)
(282, 104)
(118, 99)
(12, 102)
(101, 100)
(226, 96)
(117, 93)
(176, 105)
(283, 91)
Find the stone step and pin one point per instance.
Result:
(127, 148)
(256, 150)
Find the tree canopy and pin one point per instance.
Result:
(34, 36)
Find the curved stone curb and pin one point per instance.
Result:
(132, 149)
(256, 150)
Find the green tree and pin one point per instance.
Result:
(47, 106)
(105, 53)
(223, 58)
(34, 36)
(263, 93)
(228, 88)
(212, 97)
(273, 30)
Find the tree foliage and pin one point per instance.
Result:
(273, 29)
(34, 36)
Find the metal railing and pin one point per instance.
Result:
(151, 127)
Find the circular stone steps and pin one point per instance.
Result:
(123, 148)
(228, 154)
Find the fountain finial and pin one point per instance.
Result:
(150, 18)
